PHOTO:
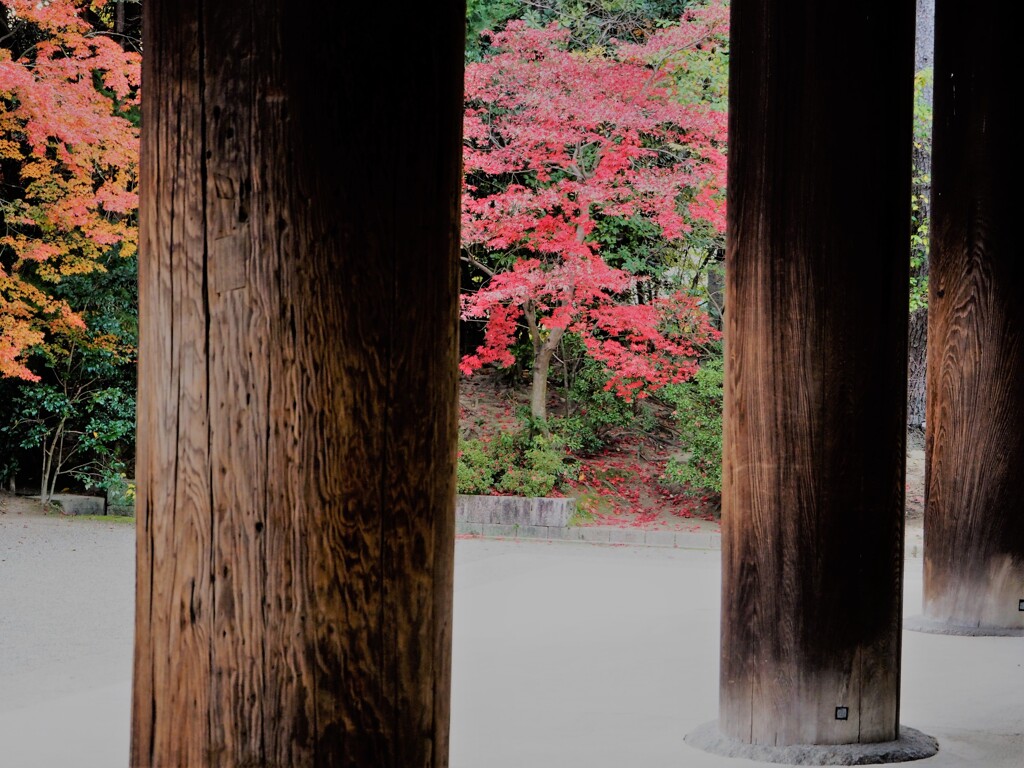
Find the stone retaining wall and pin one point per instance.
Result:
(510, 515)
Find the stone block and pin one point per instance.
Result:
(514, 510)
(686, 540)
(534, 532)
(599, 535)
(499, 530)
(562, 533)
(660, 538)
(574, 533)
(626, 536)
(552, 512)
(510, 510)
(74, 504)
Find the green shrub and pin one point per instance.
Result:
(698, 414)
(475, 468)
(540, 467)
(513, 462)
(597, 412)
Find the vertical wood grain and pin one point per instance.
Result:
(298, 395)
(816, 335)
(974, 525)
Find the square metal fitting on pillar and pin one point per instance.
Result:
(842, 713)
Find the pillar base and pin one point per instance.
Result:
(911, 745)
(935, 627)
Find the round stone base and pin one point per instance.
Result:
(911, 745)
(933, 627)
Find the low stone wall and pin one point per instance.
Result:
(74, 504)
(512, 515)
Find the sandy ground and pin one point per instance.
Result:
(66, 601)
(565, 655)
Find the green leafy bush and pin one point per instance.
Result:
(597, 411)
(698, 414)
(513, 462)
(541, 466)
(475, 468)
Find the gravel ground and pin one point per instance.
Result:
(66, 602)
(565, 655)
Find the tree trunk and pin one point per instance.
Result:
(974, 529)
(297, 392)
(917, 366)
(544, 348)
(815, 392)
(924, 37)
(716, 289)
(539, 388)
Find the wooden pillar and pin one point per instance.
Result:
(974, 515)
(297, 395)
(816, 335)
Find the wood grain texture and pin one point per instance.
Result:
(974, 525)
(298, 392)
(816, 337)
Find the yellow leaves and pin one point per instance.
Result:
(129, 247)
(38, 168)
(10, 149)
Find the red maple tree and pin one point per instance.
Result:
(556, 140)
(68, 158)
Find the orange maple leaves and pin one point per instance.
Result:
(68, 166)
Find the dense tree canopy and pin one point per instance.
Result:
(68, 157)
(565, 147)
(69, 94)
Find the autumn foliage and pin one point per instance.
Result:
(68, 158)
(558, 140)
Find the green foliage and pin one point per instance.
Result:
(698, 411)
(483, 15)
(592, 24)
(595, 23)
(120, 491)
(513, 462)
(922, 106)
(595, 410)
(634, 244)
(475, 468)
(78, 420)
(540, 467)
(920, 222)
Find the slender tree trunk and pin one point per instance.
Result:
(44, 472)
(539, 387)
(974, 526)
(298, 292)
(544, 347)
(815, 391)
(716, 289)
(924, 38)
(917, 366)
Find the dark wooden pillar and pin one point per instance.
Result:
(297, 403)
(974, 516)
(816, 335)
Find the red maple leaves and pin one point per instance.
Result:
(556, 140)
